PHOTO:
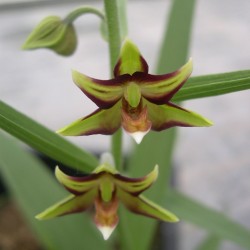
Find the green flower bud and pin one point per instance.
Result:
(54, 34)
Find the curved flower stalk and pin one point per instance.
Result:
(58, 34)
(104, 188)
(133, 99)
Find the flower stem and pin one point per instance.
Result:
(70, 18)
(114, 40)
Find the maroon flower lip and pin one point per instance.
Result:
(104, 189)
(134, 100)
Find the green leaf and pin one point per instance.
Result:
(212, 242)
(215, 222)
(176, 41)
(213, 85)
(122, 12)
(34, 188)
(130, 60)
(44, 140)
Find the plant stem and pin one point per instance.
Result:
(70, 18)
(114, 39)
(113, 29)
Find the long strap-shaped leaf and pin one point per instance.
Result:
(35, 188)
(213, 85)
(44, 140)
(215, 222)
(211, 242)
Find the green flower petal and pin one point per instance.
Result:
(130, 60)
(104, 93)
(72, 204)
(159, 89)
(170, 115)
(77, 185)
(132, 94)
(99, 122)
(106, 218)
(143, 206)
(136, 185)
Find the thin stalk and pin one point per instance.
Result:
(73, 15)
(114, 40)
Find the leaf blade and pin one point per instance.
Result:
(44, 140)
(211, 242)
(213, 85)
(213, 221)
(35, 193)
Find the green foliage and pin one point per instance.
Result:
(44, 140)
(35, 188)
(215, 222)
(213, 85)
(212, 242)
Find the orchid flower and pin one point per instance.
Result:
(133, 99)
(104, 188)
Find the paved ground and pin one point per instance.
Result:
(213, 164)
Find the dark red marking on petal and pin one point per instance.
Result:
(142, 79)
(113, 82)
(170, 124)
(105, 130)
(144, 67)
(75, 192)
(76, 210)
(117, 68)
(86, 178)
(135, 181)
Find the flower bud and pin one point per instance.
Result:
(54, 34)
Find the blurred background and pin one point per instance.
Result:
(213, 164)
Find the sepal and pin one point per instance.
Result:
(171, 115)
(77, 185)
(136, 186)
(141, 205)
(159, 89)
(104, 93)
(130, 60)
(70, 205)
(99, 122)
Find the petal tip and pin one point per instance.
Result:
(138, 136)
(207, 122)
(156, 171)
(210, 123)
(106, 231)
(39, 217)
(75, 74)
